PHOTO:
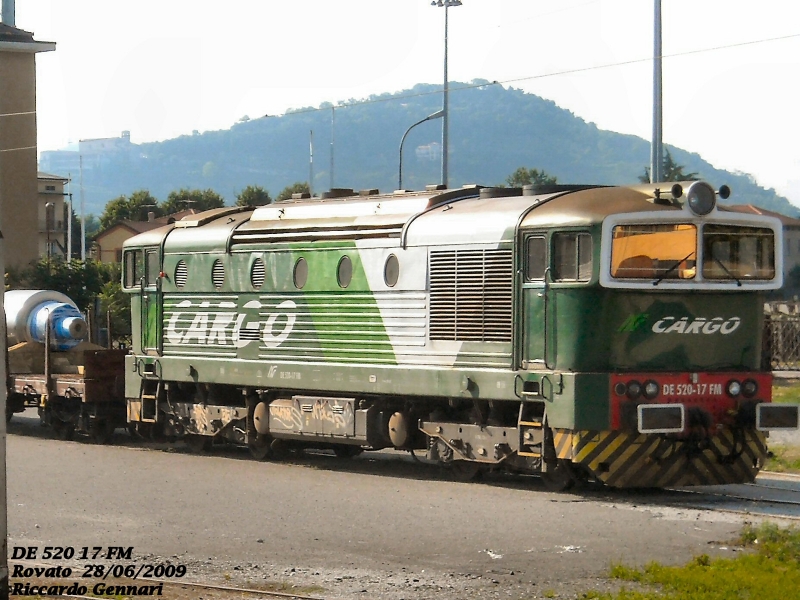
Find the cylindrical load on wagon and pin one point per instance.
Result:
(27, 312)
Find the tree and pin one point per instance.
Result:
(133, 208)
(81, 282)
(117, 304)
(199, 200)
(298, 187)
(523, 176)
(671, 170)
(253, 195)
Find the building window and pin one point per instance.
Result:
(50, 188)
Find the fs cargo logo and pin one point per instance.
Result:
(231, 328)
(684, 325)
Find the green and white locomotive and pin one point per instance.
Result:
(569, 331)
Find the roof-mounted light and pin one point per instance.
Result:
(701, 198)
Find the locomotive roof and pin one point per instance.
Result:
(418, 218)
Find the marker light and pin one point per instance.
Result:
(650, 389)
(634, 389)
(749, 388)
(734, 388)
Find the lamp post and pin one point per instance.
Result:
(47, 211)
(446, 91)
(437, 115)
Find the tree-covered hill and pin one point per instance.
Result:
(493, 131)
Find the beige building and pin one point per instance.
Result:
(52, 215)
(19, 209)
(107, 246)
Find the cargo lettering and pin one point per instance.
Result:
(238, 329)
(697, 325)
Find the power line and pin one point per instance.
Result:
(544, 75)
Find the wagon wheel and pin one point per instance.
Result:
(280, 449)
(560, 477)
(64, 430)
(465, 470)
(260, 448)
(342, 451)
(198, 444)
(101, 430)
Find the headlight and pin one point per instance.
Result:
(650, 389)
(734, 388)
(701, 198)
(749, 388)
(634, 389)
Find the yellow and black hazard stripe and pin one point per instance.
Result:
(626, 459)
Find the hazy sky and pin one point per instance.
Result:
(162, 68)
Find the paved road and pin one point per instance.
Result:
(377, 527)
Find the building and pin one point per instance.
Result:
(107, 245)
(52, 216)
(19, 208)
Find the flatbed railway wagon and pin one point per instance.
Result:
(611, 333)
(73, 384)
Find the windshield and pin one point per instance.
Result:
(664, 251)
(731, 252)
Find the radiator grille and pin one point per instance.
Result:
(258, 273)
(218, 274)
(471, 295)
(181, 274)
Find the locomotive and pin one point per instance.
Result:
(573, 332)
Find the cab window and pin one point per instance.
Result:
(572, 257)
(654, 251)
(153, 267)
(133, 269)
(735, 252)
(535, 258)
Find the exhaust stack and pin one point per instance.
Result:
(8, 13)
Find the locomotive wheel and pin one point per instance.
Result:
(465, 470)
(261, 447)
(198, 444)
(560, 477)
(101, 430)
(347, 451)
(64, 430)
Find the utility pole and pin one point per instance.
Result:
(311, 162)
(656, 151)
(83, 213)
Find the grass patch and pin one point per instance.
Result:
(770, 570)
(786, 390)
(783, 459)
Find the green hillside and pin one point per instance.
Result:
(494, 130)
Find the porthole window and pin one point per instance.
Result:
(218, 274)
(257, 273)
(391, 270)
(181, 274)
(345, 271)
(300, 273)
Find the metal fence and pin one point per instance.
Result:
(782, 336)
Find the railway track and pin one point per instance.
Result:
(772, 494)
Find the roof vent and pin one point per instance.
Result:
(498, 192)
(435, 186)
(300, 195)
(369, 192)
(337, 193)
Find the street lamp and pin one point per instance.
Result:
(445, 97)
(47, 210)
(437, 115)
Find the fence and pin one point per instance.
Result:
(781, 336)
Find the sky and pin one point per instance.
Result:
(164, 68)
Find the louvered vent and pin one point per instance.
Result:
(218, 274)
(181, 274)
(471, 294)
(258, 273)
